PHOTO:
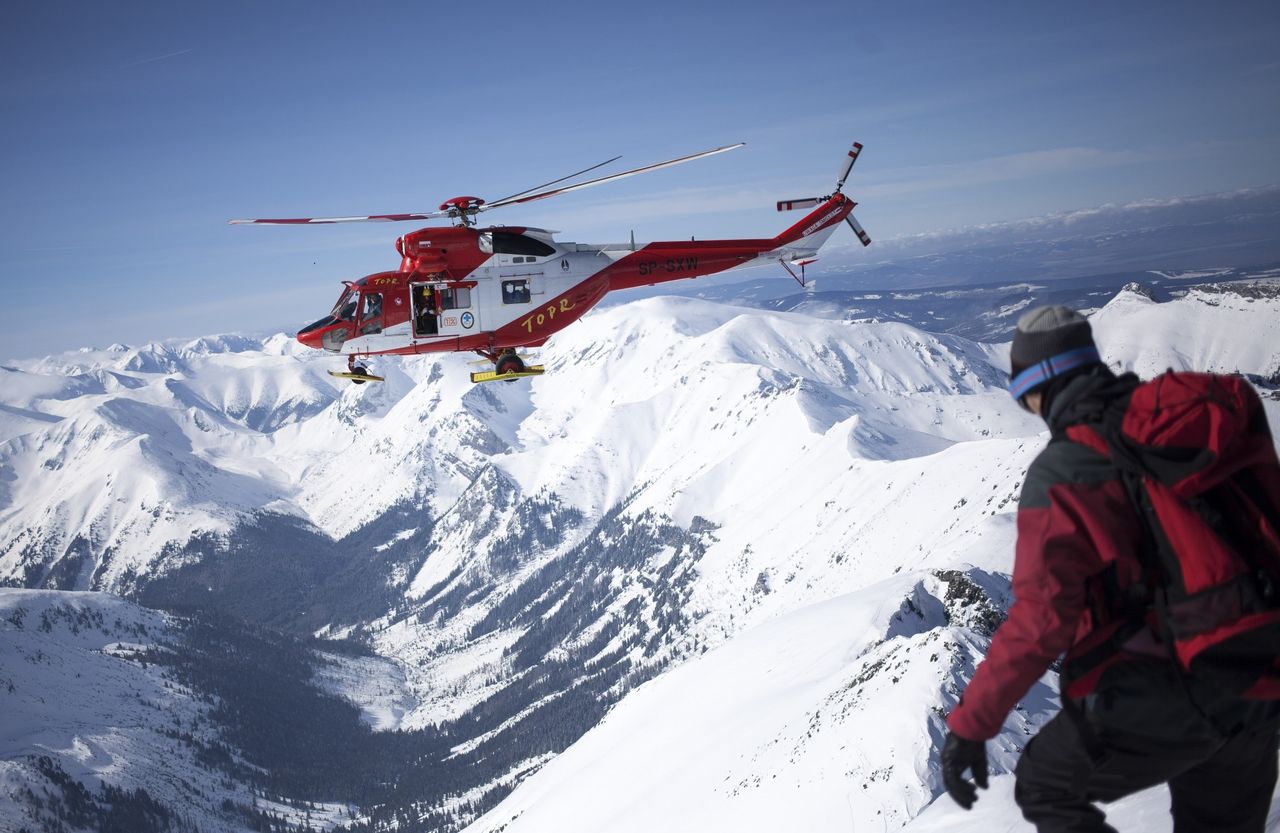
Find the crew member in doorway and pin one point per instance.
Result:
(424, 304)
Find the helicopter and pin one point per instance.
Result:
(495, 290)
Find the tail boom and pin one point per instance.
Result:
(677, 260)
(819, 223)
(680, 259)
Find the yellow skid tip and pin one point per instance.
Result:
(491, 376)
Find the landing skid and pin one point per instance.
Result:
(509, 376)
(508, 365)
(356, 372)
(358, 378)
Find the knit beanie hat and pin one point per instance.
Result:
(1049, 341)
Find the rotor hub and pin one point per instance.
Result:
(463, 209)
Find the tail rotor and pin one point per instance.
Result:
(858, 230)
(809, 202)
(848, 164)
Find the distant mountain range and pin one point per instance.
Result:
(1227, 234)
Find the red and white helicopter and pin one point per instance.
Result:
(493, 290)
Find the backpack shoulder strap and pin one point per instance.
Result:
(1088, 435)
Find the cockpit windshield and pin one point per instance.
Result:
(345, 309)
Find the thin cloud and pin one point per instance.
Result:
(924, 178)
(1067, 219)
(1265, 68)
(164, 57)
(626, 212)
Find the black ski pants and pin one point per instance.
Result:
(1217, 784)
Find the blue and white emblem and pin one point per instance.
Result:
(468, 319)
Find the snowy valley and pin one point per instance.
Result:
(722, 567)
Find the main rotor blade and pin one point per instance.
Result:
(371, 218)
(807, 202)
(516, 200)
(554, 181)
(848, 164)
(385, 218)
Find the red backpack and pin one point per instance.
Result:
(1198, 460)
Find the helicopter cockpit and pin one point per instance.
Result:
(330, 332)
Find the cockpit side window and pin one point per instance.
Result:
(507, 243)
(371, 313)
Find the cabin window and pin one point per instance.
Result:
(507, 243)
(515, 292)
(455, 298)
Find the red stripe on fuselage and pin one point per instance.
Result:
(677, 260)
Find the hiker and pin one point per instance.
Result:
(1085, 585)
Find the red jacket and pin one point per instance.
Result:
(1074, 521)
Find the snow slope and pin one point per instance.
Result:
(788, 441)
(137, 450)
(79, 686)
(794, 725)
(1222, 329)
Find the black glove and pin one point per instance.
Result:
(958, 755)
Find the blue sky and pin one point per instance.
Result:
(132, 131)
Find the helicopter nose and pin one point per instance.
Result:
(313, 335)
(310, 338)
(326, 334)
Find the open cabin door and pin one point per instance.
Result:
(424, 314)
(444, 308)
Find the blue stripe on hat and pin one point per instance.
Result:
(1043, 371)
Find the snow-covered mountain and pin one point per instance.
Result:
(984, 312)
(98, 732)
(795, 529)
(828, 715)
